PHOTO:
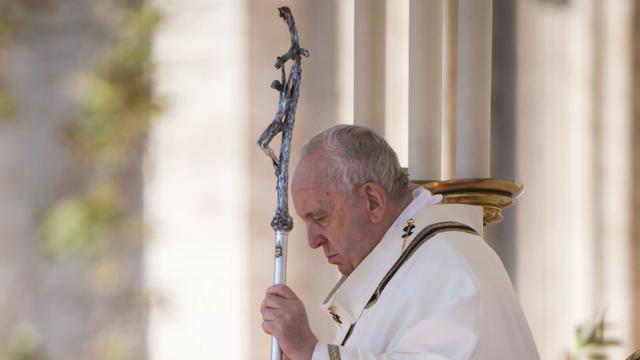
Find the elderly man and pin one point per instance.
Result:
(419, 282)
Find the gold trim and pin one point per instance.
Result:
(492, 194)
(334, 352)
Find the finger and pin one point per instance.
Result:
(267, 327)
(272, 302)
(282, 290)
(269, 314)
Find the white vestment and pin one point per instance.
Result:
(451, 299)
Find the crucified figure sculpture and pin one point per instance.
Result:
(283, 121)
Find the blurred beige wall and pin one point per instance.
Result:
(46, 304)
(196, 175)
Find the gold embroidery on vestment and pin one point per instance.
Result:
(334, 352)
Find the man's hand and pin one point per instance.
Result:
(285, 318)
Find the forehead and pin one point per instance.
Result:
(309, 172)
(310, 190)
(309, 194)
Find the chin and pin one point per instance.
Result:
(344, 270)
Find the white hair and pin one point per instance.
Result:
(358, 155)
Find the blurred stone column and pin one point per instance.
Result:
(613, 132)
(369, 103)
(635, 147)
(502, 236)
(425, 89)
(450, 81)
(396, 68)
(473, 98)
(555, 148)
(197, 178)
(573, 154)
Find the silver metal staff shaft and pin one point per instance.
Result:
(279, 277)
(280, 269)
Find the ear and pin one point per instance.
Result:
(377, 201)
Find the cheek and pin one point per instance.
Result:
(354, 233)
(341, 231)
(340, 219)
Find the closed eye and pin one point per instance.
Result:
(319, 219)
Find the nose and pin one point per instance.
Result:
(315, 238)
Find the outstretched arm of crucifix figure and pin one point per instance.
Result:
(283, 121)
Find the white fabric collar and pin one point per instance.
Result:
(349, 296)
(421, 199)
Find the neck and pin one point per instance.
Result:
(395, 209)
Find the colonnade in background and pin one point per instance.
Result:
(448, 60)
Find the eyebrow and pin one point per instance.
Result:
(313, 214)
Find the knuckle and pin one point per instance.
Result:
(287, 318)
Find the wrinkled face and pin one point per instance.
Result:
(335, 222)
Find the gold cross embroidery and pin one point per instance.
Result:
(334, 315)
(408, 231)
